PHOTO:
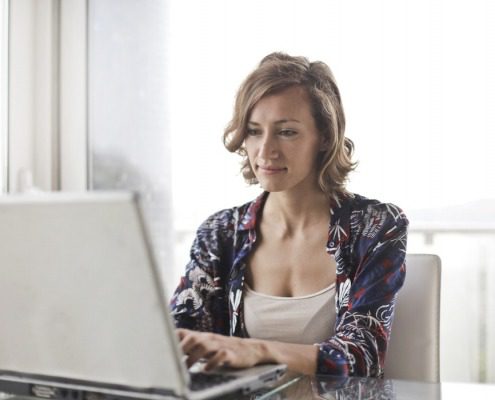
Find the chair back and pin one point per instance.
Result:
(414, 347)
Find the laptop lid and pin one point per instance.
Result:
(80, 294)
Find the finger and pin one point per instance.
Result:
(198, 352)
(181, 332)
(195, 357)
(187, 342)
(197, 347)
(191, 340)
(218, 360)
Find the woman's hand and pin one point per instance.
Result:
(219, 350)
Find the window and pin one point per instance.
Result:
(128, 134)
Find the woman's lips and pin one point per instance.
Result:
(271, 170)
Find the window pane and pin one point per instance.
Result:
(127, 126)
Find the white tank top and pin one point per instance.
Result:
(303, 320)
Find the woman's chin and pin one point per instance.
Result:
(271, 187)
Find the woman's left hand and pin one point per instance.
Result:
(219, 350)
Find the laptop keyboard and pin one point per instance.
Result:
(201, 381)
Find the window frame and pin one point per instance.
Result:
(47, 97)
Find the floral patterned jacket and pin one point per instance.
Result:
(368, 241)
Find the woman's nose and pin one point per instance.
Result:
(268, 148)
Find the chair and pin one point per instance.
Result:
(413, 352)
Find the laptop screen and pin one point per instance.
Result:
(80, 295)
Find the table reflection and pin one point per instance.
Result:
(336, 388)
(351, 388)
(295, 386)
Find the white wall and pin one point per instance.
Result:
(418, 88)
(416, 80)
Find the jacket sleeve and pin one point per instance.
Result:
(199, 303)
(366, 298)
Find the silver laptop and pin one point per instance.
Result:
(83, 311)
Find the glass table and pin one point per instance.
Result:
(332, 388)
(294, 386)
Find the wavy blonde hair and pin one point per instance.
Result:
(275, 73)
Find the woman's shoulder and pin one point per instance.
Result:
(367, 205)
(370, 225)
(232, 218)
(364, 210)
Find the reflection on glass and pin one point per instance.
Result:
(352, 388)
(341, 388)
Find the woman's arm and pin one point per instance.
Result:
(199, 302)
(367, 298)
(237, 352)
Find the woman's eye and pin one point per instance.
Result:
(253, 132)
(287, 132)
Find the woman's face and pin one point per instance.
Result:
(282, 141)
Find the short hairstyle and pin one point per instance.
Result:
(275, 73)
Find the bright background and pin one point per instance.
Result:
(418, 86)
(155, 87)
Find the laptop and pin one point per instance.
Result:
(84, 315)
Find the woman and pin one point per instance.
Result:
(306, 274)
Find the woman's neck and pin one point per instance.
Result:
(295, 213)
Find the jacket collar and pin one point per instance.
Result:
(250, 217)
